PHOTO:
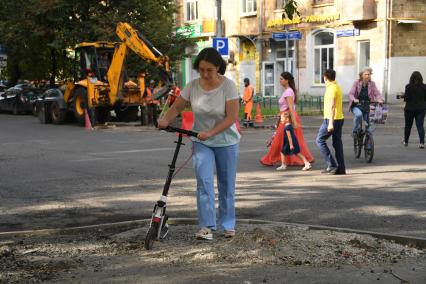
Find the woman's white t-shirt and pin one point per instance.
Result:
(209, 109)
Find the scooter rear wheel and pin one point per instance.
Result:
(151, 236)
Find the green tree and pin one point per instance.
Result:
(38, 34)
(290, 9)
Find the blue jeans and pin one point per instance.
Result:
(225, 159)
(410, 116)
(358, 117)
(336, 134)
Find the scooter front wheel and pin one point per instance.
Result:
(151, 236)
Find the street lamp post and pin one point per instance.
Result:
(219, 18)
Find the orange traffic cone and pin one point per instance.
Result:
(258, 118)
(87, 123)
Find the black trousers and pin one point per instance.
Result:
(410, 116)
(152, 114)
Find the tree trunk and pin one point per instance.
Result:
(54, 66)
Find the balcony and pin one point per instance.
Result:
(359, 10)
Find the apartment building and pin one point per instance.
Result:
(346, 35)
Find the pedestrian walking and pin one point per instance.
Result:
(290, 145)
(247, 101)
(332, 125)
(415, 106)
(215, 102)
(362, 93)
(287, 103)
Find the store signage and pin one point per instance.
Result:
(342, 33)
(296, 35)
(190, 30)
(221, 45)
(306, 19)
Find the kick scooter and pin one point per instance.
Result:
(158, 227)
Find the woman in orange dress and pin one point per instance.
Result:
(287, 103)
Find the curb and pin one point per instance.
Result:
(416, 242)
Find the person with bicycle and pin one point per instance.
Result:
(215, 103)
(362, 94)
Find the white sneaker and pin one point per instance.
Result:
(204, 234)
(282, 168)
(307, 167)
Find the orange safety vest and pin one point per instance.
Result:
(149, 98)
(248, 99)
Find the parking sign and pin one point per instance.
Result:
(221, 45)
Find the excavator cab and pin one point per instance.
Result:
(93, 59)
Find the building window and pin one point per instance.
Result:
(363, 54)
(285, 57)
(191, 10)
(323, 54)
(248, 7)
(320, 2)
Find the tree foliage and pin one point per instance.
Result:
(290, 9)
(38, 33)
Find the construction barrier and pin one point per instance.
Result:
(87, 122)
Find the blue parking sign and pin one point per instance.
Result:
(221, 45)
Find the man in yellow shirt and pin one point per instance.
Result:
(332, 125)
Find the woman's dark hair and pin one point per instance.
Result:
(212, 56)
(287, 76)
(416, 78)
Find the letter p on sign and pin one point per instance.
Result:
(221, 45)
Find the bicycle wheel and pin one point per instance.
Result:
(369, 148)
(151, 236)
(357, 145)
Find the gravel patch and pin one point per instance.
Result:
(42, 258)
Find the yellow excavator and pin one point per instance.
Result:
(100, 81)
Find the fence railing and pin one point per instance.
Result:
(305, 105)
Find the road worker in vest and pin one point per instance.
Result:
(247, 101)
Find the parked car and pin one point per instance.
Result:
(2, 89)
(20, 99)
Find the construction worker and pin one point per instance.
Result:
(247, 101)
(151, 104)
(143, 106)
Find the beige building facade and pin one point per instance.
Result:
(346, 35)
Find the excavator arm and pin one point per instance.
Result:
(141, 46)
(134, 40)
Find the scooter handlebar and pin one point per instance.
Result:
(180, 130)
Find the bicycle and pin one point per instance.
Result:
(158, 227)
(377, 113)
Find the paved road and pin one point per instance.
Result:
(57, 176)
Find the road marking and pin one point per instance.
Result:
(120, 153)
(134, 151)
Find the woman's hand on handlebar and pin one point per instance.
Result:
(204, 135)
(162, 123)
